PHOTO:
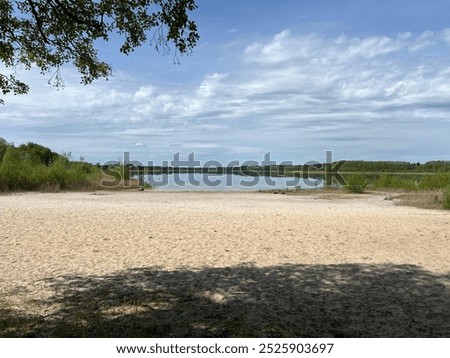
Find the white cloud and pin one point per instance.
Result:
(371, 47)
(288, 94)
(425, 39)
(210, 84)
(143, 93)
(445, 35)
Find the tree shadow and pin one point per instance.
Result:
(349, 300)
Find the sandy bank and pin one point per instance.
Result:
(47, 238)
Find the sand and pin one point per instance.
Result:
(221, 264)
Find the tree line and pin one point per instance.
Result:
(32, 166)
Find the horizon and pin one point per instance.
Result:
(190, 158)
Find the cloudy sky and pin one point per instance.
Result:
(367, 79)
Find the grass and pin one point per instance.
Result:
(424, 199)
(432, 199)
(427, 192)
(431, 191)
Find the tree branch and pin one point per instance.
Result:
(95, 24)
(38, 21)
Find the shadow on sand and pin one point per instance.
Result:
(350, 300)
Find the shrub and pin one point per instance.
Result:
(389, 181)
(19, 172)
(356, 183)
(435, 181)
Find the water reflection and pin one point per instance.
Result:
(227, 182)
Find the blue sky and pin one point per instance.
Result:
(368, 80)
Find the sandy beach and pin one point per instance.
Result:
(208, 264)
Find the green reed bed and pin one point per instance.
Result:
(19, 172)
(425, 190)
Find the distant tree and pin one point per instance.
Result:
(37, 153)
(50, 33)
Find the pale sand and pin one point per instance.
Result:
(243, 263)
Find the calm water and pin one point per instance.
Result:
(226, 182)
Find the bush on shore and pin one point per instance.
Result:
(356, 183)
(389, 181)
(20, 171)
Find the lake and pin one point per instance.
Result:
(227, 182)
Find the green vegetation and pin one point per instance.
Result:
(34, 167)
(365, 167)
(121, 177)
(48, 34)
(393, 167)
(118, 172)
(435, 181)
(356, 183)
(391, 181)
(424, 185)
(428, 190)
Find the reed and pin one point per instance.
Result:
(22, 174)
